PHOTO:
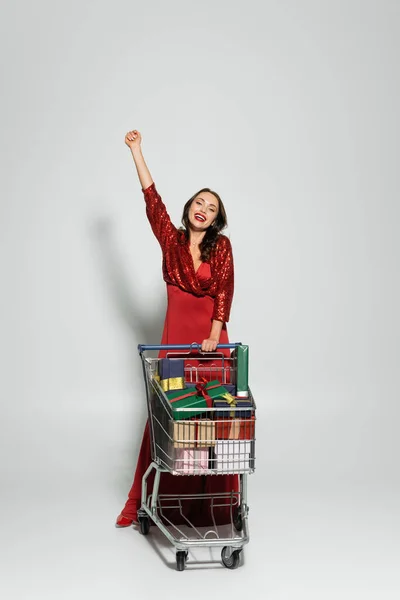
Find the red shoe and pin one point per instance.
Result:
(124, 521)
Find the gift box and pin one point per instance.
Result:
(234, 404)
(235, 429)
(197, 399)
(240, 357)
(205, 433)
(231, 456)
(225, 449)
(184, 434)
(191, 434)
(190, 462)
(171, 373)
(181, 399)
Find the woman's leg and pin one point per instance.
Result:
(134, 501)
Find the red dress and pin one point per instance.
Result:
(194, 300)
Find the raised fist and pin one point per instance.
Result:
(133, 139)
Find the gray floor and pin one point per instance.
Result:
(315, 532)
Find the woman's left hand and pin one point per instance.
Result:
(209, 345)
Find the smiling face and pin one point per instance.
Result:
(203, 211)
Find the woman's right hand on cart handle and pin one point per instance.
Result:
(133, 140)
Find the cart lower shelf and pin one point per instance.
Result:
(184, 534)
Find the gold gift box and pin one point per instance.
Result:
(184, 434)
(191, 434)
(205, 434)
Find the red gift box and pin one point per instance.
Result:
(235, 429)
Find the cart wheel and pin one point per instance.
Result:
(237, 520)
(181, 558)
(230, 559)
(144, 524)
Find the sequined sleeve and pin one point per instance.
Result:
(225, 275)
(158, 216)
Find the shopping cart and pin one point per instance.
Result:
(183, 445)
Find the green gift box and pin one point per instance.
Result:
(197, 400)
(241, 363)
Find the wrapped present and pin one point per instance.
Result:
(184, 434)
(205, 433)
(234, 404)
(171, 374)
(191, 434)
(182, 399)
(235, 429)
(231, 456)
(197, 399)
(241, 364)
(190, 461)
(224, 449)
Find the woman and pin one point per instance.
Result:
(198, 271)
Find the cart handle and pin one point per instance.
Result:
(145, 347)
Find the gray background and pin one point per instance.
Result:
(290, 111)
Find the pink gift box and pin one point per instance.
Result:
(190, 461)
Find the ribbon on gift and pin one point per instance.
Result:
(201, 390)
(231, 400)
(235, 429)
(172, 384)
(228, 430)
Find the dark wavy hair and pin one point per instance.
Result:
(210, 239)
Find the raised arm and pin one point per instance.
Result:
(155, 209)
(133, 140)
